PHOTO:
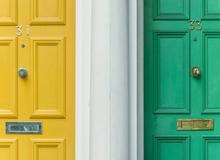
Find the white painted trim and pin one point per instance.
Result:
(119, 52)
(100, 137)
(126, 111)
(109, 77)
(136, 117)
(133, 148)
(136, 80)
(83, 78)
(140, 78)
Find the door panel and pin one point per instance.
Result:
(171, 9)
(177, 144)
(171, 54)
(53, 147)
(210, 9)
(8, 149)
(49, 61)
(42, 13)
(211, 58)
(8, 12)
(211, 148)
(8, 84)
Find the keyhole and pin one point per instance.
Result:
(23, 46)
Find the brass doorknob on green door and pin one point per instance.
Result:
(196, 72)
(23, 73)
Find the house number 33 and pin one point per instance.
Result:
(195, 24)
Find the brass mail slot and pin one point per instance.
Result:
(195, 124)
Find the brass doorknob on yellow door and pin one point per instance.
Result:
(23, 73)
(196, 72)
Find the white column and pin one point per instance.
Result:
(100, 116)
(109, 81)
(103, 98)
(83, 78)
(119, 76)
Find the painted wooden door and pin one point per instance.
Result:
(37, 37)
(181, 35)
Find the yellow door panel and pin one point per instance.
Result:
(48, 148)
(43, 13)
(45, 52)
(8, 82)
(8, 12)
(49, 87)
(8, 149)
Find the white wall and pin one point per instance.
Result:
(107, 113)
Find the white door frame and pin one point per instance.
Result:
(83, 59)
(84, 47)
(136, 38)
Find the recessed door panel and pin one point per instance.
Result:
(8, 82)
(49, 148)
(211, 9)
(48, 56)
(171, 9)
(8, 12)
(43, 13)
(8, 149)
(211, 147)
(171, 58)
(211, 58)
(177, 144)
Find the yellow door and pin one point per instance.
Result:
(37, 83)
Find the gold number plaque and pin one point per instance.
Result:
(194, 124)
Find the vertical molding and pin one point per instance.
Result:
(103, 80)
(119, 76)
(109, 83)
(83, 68)
(100, 81)
(136, 117)
(133, 101)
(140, 78)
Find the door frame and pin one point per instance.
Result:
(83, 60)
(136, 38)
(83, 78)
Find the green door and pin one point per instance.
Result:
(182, 109)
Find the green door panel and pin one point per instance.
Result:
(171, 58)
(211, 65)
(174, 10)
(171, 50)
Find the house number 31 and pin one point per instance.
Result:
(19, 30)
